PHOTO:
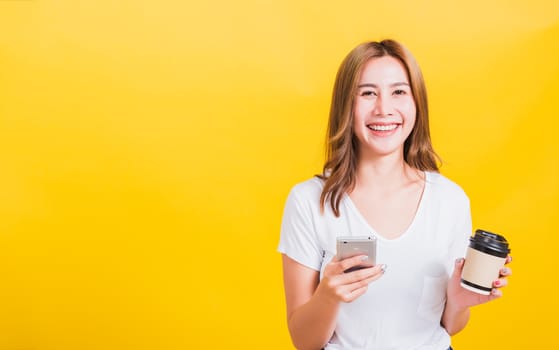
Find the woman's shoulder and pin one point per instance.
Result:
(310, 188)
(305, 195)
(445, 186)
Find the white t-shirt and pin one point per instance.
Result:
(402, 309)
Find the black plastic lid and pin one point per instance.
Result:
(490, 243)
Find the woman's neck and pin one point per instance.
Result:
(389, 172)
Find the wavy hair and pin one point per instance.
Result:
(339, 170)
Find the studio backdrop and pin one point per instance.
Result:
(147, 149)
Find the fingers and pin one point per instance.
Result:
(495, 293)
(347, 287)
(501, 282)
(364, 278)
(503, 274)
(509, 259)
(458, 267)
(363, 274)
(505, 271)
(359, 260)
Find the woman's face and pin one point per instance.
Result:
(384, 109)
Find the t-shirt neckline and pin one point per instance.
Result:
(418, 213)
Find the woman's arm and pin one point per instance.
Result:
(312, 305)
(459, 300)
(311, 321)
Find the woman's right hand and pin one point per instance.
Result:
(313, 304)
(337, 285)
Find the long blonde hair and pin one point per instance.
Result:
(341, 145)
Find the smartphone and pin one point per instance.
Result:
(351, 246)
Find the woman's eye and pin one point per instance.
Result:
(367, 93)
(399, 92)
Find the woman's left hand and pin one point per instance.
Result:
(462, 298)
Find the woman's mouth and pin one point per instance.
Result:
(382, 127)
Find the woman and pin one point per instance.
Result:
(380, 178)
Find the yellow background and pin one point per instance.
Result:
(147, 147)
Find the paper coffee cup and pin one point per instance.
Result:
(485, 257)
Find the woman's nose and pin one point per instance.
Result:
(383, 106)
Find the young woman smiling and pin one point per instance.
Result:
(380, 178)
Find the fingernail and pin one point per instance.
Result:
(495, 292)
(383, 268)
(459, 260)
(497, 283)
(365, 258)
(504, 271)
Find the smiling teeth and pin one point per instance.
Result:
(383, 127)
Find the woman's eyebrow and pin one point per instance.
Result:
(367, 85)
(399, 83)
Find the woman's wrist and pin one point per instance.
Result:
(455, 317)
(455, 308)
(324, 298)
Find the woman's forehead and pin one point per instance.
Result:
(385, 70)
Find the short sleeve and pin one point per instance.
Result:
(298, 238)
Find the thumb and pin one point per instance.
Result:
(458, 267)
